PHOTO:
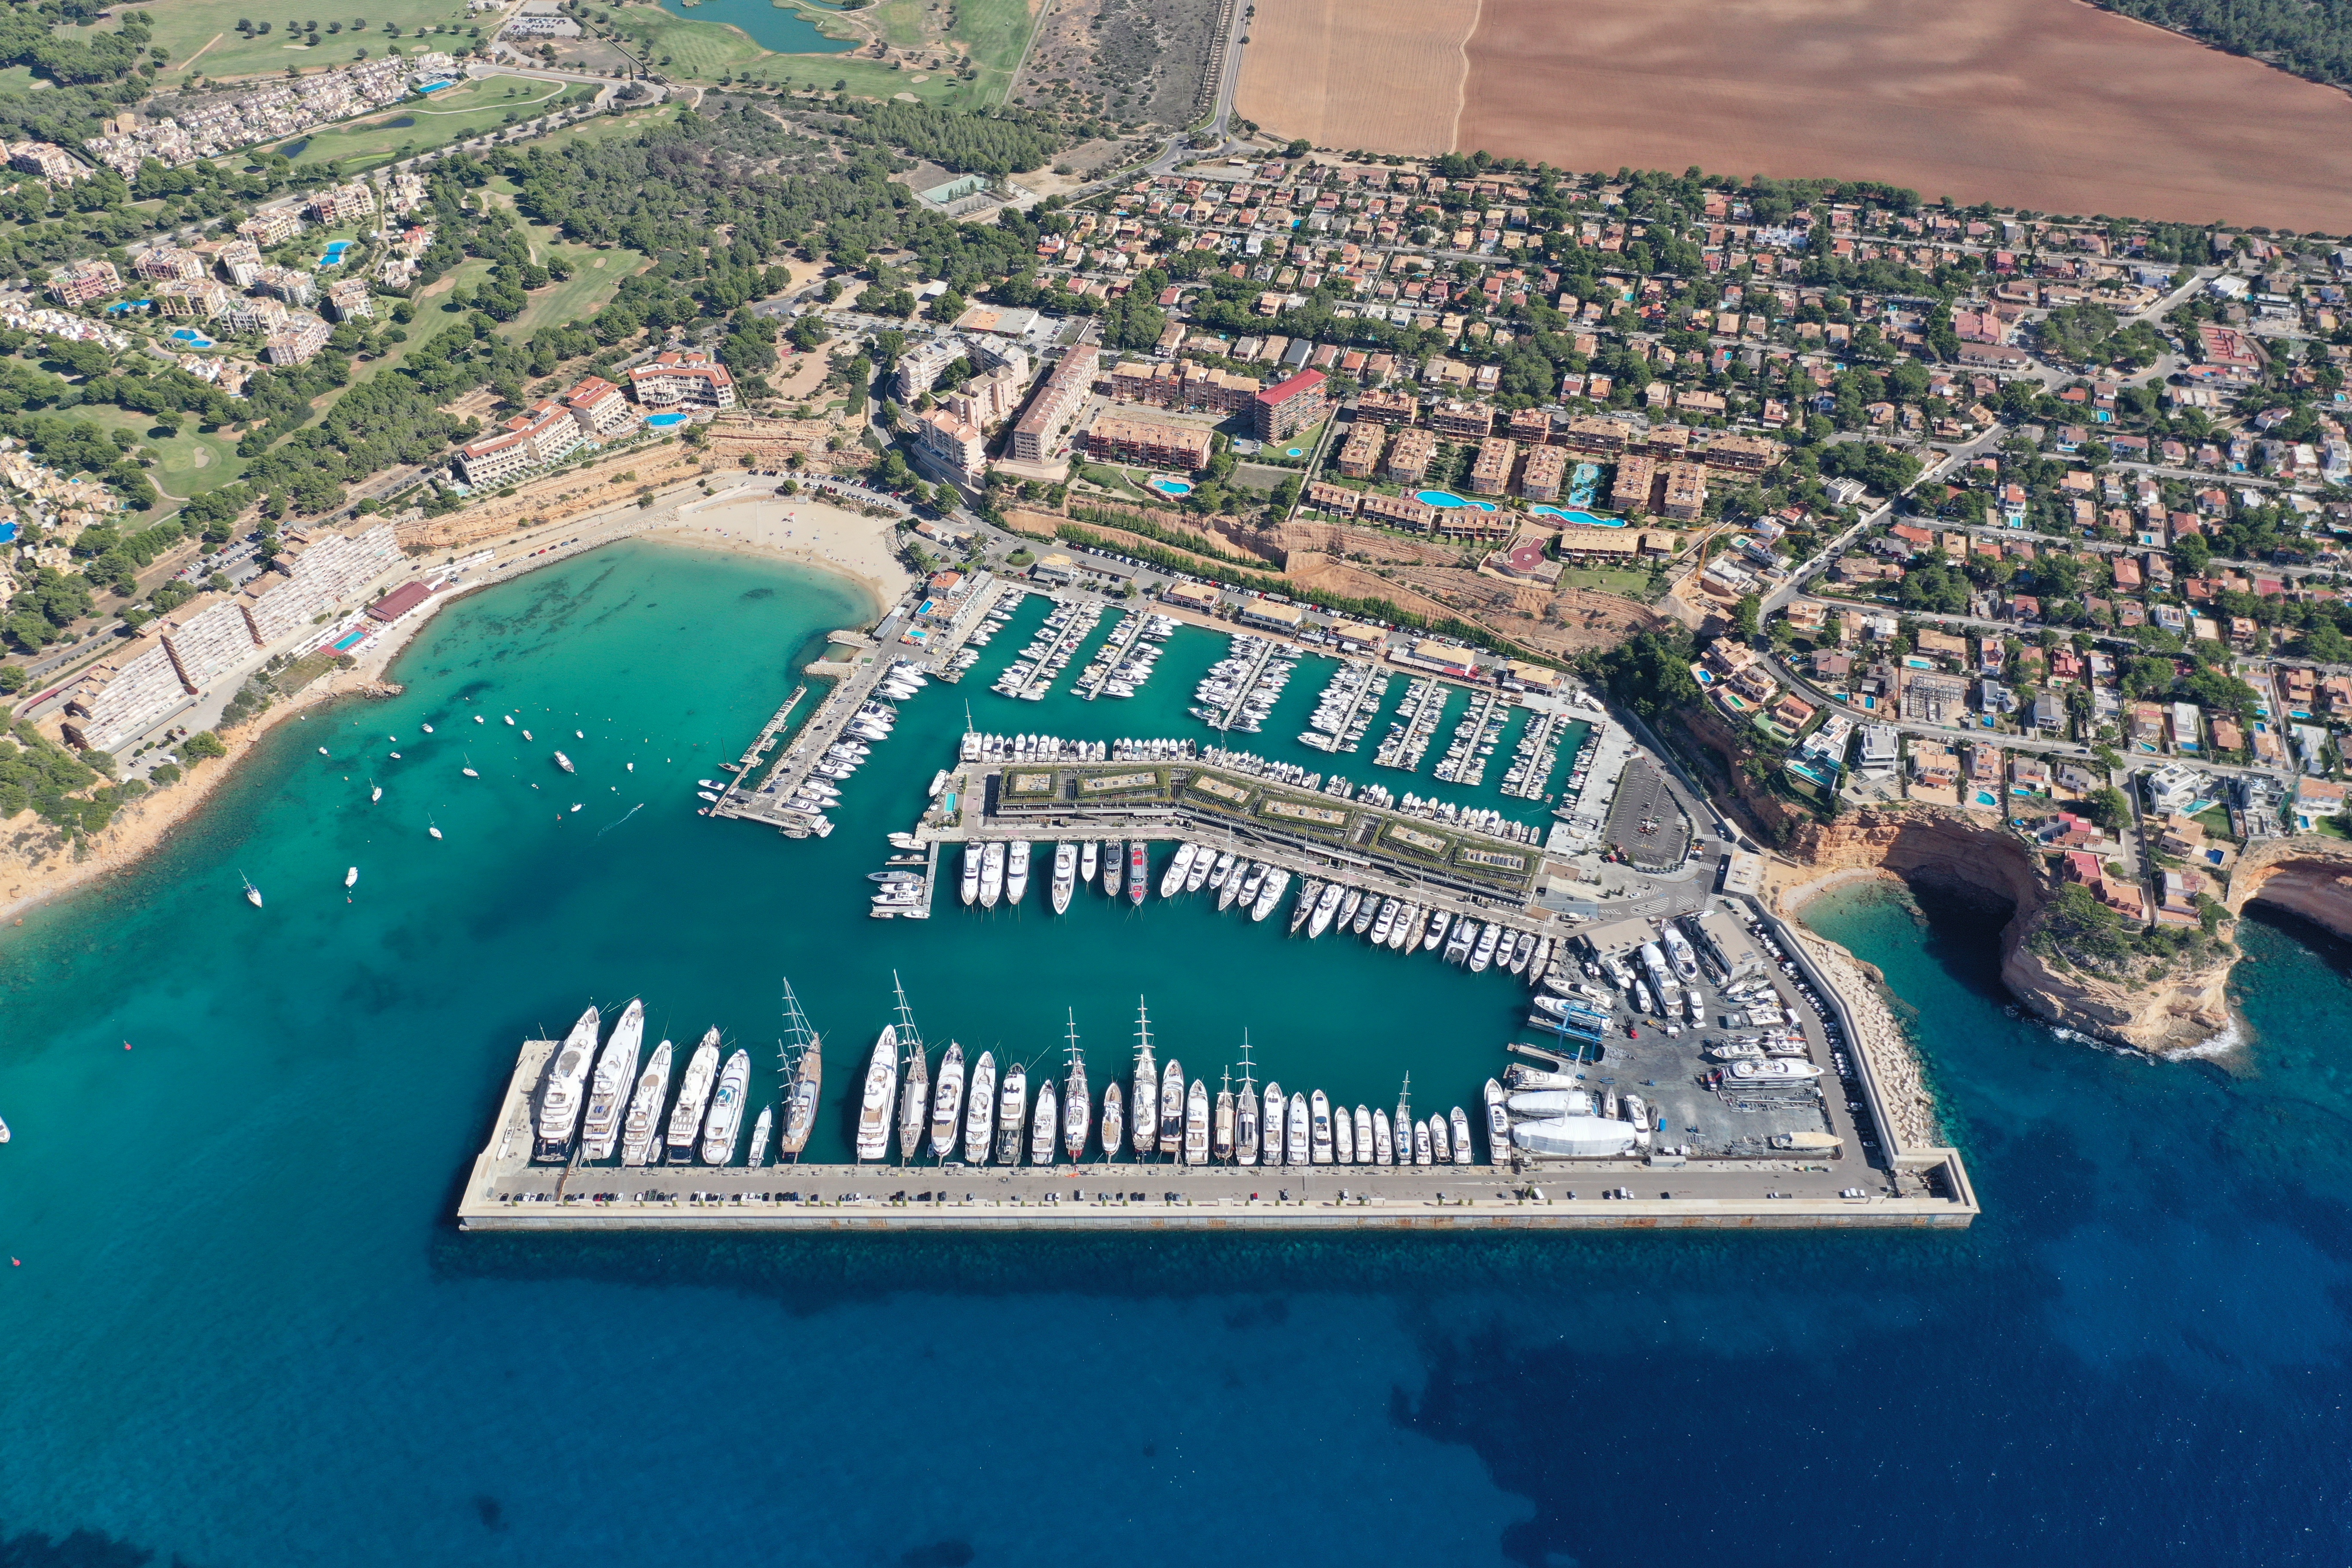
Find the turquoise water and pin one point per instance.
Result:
(242, 1330)
(779, 28)
(1585, 518)
(1447, 500)
(664, 421)
(1171, 487)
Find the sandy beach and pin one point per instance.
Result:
(37, 864)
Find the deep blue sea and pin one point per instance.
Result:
(240, 1329)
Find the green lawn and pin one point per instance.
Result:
(469, 108)
(695, 51)
(997, 30)
(187, 464)
(185, 26)
(595, 277)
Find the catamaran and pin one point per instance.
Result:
(725, 1123)
(693, 1096)
(1145, 1125)
(562, 1091)
(1065, 872)
(1012, 1105)
(608, 1095)
(881, 1089)
(1078, 1105)
(807, 1079)
(644, 1122)
(980, 1105)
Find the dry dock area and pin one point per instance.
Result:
(507, 1192)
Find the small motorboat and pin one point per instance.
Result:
(433, 827)
(323, 750)
(426, 728)
(564, 762)
(375, 791)
(350, 876)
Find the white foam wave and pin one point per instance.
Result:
(2226, 1042)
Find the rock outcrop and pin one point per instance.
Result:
(2178, 1005)
(2307, 874)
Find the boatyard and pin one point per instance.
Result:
(1684, 1068)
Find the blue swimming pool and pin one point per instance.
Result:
(1446, 500)
(1168, 487)
(1586, 517)
(434, 86)
(193, 339)
(664, 421)
(334, 257)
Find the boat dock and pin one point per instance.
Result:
(506, 1191)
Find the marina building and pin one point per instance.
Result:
(682, 378)
(1267, 615)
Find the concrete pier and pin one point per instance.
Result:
(507, 1192)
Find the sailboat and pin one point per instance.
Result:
(807, 1079)
(978, 1106)
(1246, 1123)
(946, 1102)
(1146, 1126)
(881, 1089)
(1221, 1131)
(915, 1101)
(252, 893)
(433, 827)
(469, 769)
(1404, 1124)
(1078, 1105)
(375, 791)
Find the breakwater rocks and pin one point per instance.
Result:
(1895, 1065)
(2149, 1004)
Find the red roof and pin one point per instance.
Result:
(1283, 391)
(399, 601)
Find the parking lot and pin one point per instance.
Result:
(1645, 822)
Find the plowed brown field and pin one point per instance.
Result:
(1381, 75)
(2047, 104)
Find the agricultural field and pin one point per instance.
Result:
(468, 109)
(202, 34)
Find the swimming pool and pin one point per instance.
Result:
(1169, 487)
(194, 340)
(334, 257)
(1446, 500)
(1294, 451)
(350, 640)
(434, 86)
(664, 421)
(1586, 517)
(1914, 662)
(1986, 797)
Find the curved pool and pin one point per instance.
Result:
(1446, 500)
(664, 421)
(1586, 517)
(1170, 487)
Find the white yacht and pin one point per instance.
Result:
(756, 1157)
(1460, 1123)
(1016, 870)
(1319, 1130)
(608, 1095)
(1343, 1137)
(991, 874)
(1383, 921)
(565, 1088)
(1196, 1123)
(1113, 1119)
(1172, 1109)
(1383, 1143)
(1078, 1103)
(1269, 897)
(643, 1122)
(1350, 902)
(946, 1102)
(1044, 1125)
(1065, 875)
(693, 1095)
(1298, 1146)
(880, 1091)
(1421, 1143)
(1221, 869)
(1327, 905)
(725, 1123)
(979, 1107)
(564, 762)
(914, 1088)
(1089, 860)
(1179, 866)
(1484, 953)
(1114, 862)
(1012, 1109)
(1276, 1106)
(1144, 1124)
(973, 854)
(1435, 938)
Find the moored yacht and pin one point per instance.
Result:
(1223, 870)
(1363, 1131)
(1499, 1124)
(693, 1096)
(1113, 1119)
(1196, 1123)
(1113, 864)
(1457, 946)
(1327, 905)
(1199, 874)
(1089, 860)
(1065, 875)
(1077, 1104)
(946, 1102)
(1016, 870)
(980, 1110)
(1343, 1137)
(1276, 1106)
(1269, 897)
(643, 1122)
(1171, 1110)
(1383, 1144)
(1139, 868)
(1421, 1143)
(725, 1123)
(1484, 953)
(1383, 923)
(1318, 1129)
(973, 854)
(1308, 892)
(875, 1100)
(1043, 1125)
(992, 875)
(1438, 921)
(807, 1083)
(1179, 866)
(1350, 902)
(1459, 1122)
(1012, 1110)
(1144, 1124)
(565, 1088)
(756, 1156)
(608, 1094)
(1221, 1129)
(1298, 1146)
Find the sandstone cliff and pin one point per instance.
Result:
(2308, 874)
(2177, 1005)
